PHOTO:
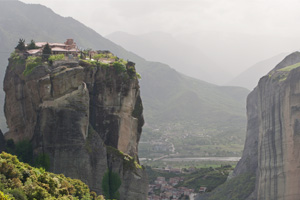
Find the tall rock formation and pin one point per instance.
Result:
(86, 117)
(272, 148)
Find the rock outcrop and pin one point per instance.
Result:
(74, 111)
(272, 148)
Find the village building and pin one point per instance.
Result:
(167, 190)
(34, 52)
(160, 180)
(202, 189)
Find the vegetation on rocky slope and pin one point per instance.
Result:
(31, 64)
(20, 181)
(290, 67)
(129, 161)
(237, 188)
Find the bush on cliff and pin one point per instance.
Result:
(53, 58)
(21, 181)
(31, 63)
(98, 56)
(119, 67)
(16, 58)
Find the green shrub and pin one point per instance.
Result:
(16, 58)
(131, 72)
(129, 161)
(119, 67)
(18, 194)
(91, 63)
(4, 196)
(138, 76)
(23, 182)
(53, 58)
(290, 67)
(98, 56)
(104, 65)
(31, 63)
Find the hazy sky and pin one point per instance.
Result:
(272, 24)
(280, 17)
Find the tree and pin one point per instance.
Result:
(86, 52)
(46, 51)
(32, 45)
(111, 182)
(97, 57)
(21, 45)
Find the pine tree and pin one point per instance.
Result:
(46, 52)
(111, 182)
(21, 45)
(32, 45)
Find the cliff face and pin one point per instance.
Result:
(272, 148)
(73, 111)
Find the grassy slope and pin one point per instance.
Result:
(237, 188)
(290, 67)
(167, 95)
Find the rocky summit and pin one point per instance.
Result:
(85, 115)
(272, 148)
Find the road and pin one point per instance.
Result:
(203, 158)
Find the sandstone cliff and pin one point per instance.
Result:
(272, 148)
(74, 112)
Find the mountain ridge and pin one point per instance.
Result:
(163, 47)
(250, 77)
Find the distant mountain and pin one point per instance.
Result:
(250, 77)
(236, 51)
(168, 96)
(163, 47)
